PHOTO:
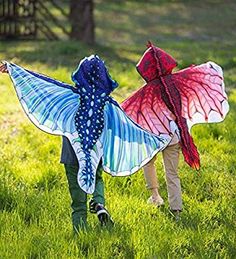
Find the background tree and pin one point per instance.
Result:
(82, 21)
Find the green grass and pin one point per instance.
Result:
(34, 199)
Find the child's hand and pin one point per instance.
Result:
(3, 68)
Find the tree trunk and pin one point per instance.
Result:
(82, 22)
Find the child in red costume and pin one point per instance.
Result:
(174, 102)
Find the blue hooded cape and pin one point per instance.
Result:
(94, 123)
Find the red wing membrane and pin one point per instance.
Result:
(202, 93)
(147, 108)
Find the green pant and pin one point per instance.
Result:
(79, 197)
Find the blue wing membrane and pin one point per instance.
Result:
(126, 146)
(50, 104)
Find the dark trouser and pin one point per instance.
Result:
(79, 197)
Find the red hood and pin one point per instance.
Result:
(154, 63)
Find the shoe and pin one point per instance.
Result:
(80, 224)
(92, 206)
(103, 215)
(156, 201)
(176, 214)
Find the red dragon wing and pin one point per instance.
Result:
(147, 108)
(202, 93)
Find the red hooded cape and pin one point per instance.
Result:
(192, 95)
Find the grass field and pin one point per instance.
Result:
(34, 200)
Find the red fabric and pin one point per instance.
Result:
(178, 96)
(155, 63)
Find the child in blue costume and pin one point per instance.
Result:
(78, 196)
(98, 131)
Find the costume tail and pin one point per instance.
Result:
(88, 164)
(189, 150)
(88, 161)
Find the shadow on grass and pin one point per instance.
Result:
(120, 243)
(58, 53)
(164, 21)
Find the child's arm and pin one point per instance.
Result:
(3, 68)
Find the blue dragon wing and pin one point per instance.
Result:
(126, 146)
(50, 104)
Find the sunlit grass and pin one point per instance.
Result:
(34, 199)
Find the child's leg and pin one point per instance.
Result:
(152, 182)
(98, 195)
(78, 197)
(97, 203)
(171, 160)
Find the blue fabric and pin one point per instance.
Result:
(94, 85)
(91, 120)
(51, 108)
(93, 72)
(128, 141)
